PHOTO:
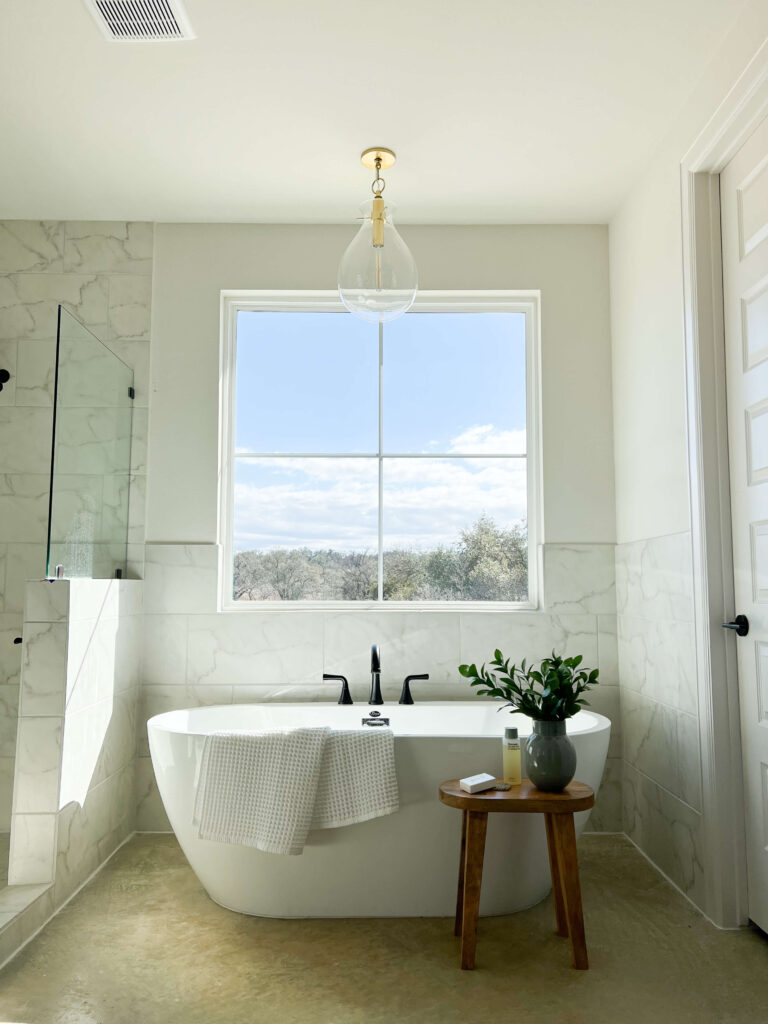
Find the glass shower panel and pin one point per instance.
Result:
(91, 458)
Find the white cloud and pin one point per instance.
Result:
(321, 503)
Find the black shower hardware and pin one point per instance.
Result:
(18, 639)
(344, 697)
(375, 697)
(4, 378)
(405, 695)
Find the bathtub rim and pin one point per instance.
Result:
(163, 722)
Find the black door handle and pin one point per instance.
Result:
(740, 624)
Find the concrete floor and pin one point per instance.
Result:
(143, 943)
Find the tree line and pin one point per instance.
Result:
(487, 563)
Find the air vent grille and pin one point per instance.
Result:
(141, 20)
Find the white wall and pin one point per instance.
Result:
(193, 262)
(659, 699)
(194, 655)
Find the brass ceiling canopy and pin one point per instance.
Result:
(369, 158)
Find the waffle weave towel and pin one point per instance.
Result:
(267, 790)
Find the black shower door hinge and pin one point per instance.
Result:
(131, 393)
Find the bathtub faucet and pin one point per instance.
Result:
(375, 697)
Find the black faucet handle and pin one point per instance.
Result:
(345, 697)
(405, 695)
(375, 659)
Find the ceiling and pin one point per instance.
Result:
(500, 111)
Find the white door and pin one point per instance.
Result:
(744, 211)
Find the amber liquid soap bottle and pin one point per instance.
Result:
(511, 764)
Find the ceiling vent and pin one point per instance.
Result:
(141, 21)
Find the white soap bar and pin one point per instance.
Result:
(477, 783)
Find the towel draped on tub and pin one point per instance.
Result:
(268, 789)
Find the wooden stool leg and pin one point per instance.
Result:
(565, 839)
(460, 893)
(477, 822)
(557, 884)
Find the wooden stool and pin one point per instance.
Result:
(558, 810)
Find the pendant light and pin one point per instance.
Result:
(378, 279)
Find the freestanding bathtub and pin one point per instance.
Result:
(401, 865)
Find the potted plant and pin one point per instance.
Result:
(549, 692)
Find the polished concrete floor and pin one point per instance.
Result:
(143, 943)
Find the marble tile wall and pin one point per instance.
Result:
(195, 656)
(74, 777)
(661, 777)
(102, 272)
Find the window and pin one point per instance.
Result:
(379, 464)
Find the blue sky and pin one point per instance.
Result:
(453, 384)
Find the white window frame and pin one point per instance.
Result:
(233, 302)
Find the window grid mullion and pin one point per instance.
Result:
(380, 563)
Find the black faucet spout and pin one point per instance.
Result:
(375, 697)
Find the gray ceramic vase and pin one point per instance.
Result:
(550, 757)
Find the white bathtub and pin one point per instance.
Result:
(402, 865)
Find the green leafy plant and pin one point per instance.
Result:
(549, 691)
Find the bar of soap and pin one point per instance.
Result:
(477, 783)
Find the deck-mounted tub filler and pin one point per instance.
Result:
(401, 865)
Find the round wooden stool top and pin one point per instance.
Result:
(522, 799)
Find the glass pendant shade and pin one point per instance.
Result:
(377, 282)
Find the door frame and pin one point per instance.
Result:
(725, 870)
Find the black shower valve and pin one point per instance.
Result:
(5, 376)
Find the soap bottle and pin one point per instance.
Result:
(511, 765)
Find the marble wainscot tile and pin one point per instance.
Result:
(260, 648)
(409, 643)
(606, 815)
(47, 600)
(181, 578)
(137, 506)
(38, 757)
(108, 247)
(26, 437)
(33, 849)
(658, 659)
(9, 718)
(606, 700)
(156, 700)
(10, 652)
(139, 429)
(689, 759)
(3, 581)
(579, 578)
(85, 738)
(8, 361)
(654, 578)
(649, 739)
(164, 659)
(135, 354)
(529, 635)
(667, 830)
(24, 506)
(94, 599)
(150, 813)
(23, 562)
(36, 373)
(608, 648)
(44, 669)
(7, 765)
(29, 304)
(92, 441)
(130, 302)
(31, 245)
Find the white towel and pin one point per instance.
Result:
(267, 790)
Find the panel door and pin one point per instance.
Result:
(744, 212)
